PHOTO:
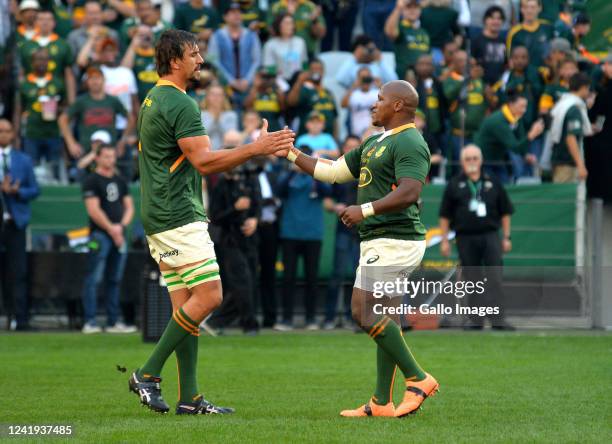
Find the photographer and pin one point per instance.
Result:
(308, 94)
(365, 53)
(140, 58)
(266, 99)
(235, 209)
(359, 100)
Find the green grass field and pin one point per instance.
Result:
(288, 388)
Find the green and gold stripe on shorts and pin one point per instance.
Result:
(173, 281)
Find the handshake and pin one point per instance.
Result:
(277, 143)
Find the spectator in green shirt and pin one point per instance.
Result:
(410, 41)
(308, 94)
(140, 58)
(471, 103)
(569, 125)
(503, 133)
(194, 17)
(553, 91)
(522, 78)
(439, 19)
(39, 101)
(147, 13)
(532, 33)
(94, 110)
(266, 99)
(60, 54)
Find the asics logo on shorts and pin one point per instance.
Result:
(372, 259)
(168, 254)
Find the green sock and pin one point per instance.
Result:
(179, 326)
(187, 361)
(388, 336)
(385, 377)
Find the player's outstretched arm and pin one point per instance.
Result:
(330, 171)
(406, 194)
(198, 150)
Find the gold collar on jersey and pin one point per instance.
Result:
(163, 82)
(395, 131)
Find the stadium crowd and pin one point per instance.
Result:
(512, 77)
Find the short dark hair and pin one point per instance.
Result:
(104, 146)
(492, 10)
(170, 46)
(579, 80)
(361, 40)
(513, 94)
(352, 136)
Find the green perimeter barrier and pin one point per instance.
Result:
(543, 225)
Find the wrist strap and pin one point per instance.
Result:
(367, 209)
(293, 154)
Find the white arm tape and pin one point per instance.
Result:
(336, 171)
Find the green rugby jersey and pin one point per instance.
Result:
(380, 162)
(170, 187)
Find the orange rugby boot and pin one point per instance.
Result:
(370, 409)
(416, 393)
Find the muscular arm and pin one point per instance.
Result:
(328, 171)
(198, 151)
(390, 28)
(406, 194)
(128, 210)
(92, 204)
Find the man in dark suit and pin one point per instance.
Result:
(18, 188)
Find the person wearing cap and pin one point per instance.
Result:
(234, 38)
(308, 94)
(84, 164)
(265, 97)
(110, 209)
(309, 21)
(322, 144)
(410, 41)
(253, 17)
(92, 111)
(60, 54)
(558, 50)
(532, 33)
(194, 16)
(285, 50)
(27, 21)
(148, 12)
(40, 100)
